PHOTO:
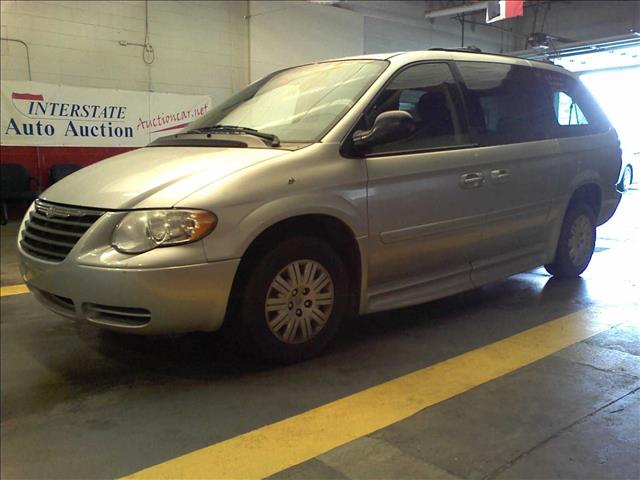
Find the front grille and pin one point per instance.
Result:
(51, 231)
(128, 316)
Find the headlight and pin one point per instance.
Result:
(144, 230)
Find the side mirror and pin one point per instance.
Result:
(388, 126)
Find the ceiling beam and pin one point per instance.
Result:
(453, 11)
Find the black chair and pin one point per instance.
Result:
(58, 172)
(15, 186)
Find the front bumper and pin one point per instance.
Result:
(163, 291)
(144, 301)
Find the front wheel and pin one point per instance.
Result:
(294, 300)
(576, 243)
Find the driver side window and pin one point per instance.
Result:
(429, 93)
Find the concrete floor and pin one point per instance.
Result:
(81, 403)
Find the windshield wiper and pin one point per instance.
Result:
(273, 140)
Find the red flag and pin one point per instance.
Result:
(514, 9)
(499, 10)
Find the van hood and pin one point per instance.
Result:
(152, 177)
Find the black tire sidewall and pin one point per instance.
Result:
(252, 317)
(562, 266)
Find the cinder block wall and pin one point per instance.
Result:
(286, 33)
(200, 46)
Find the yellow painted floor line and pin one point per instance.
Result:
(273, 448)
(13, 290)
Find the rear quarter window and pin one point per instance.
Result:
(513, 104)
(576, 111)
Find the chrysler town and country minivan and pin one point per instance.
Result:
(327, 190)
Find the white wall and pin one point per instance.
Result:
(200, 46)
(388, 36)
(398, 26)
(286, 33)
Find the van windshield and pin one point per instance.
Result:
(298, 105)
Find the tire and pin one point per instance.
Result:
(287, 319)
(627, 178)
(576, 243)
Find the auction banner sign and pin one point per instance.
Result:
(43, 114)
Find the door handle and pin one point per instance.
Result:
(472, 180)
(500, 175)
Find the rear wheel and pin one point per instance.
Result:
(294, 300)
(576, 243)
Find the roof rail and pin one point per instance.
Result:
(470, 49)
(473, 49)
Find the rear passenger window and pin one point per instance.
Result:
(507, 103)
(576, 112)
(429, 93)
(567, 111)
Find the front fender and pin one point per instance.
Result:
(308, 204)
(312, 181)
(234, 242)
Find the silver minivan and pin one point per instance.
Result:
(327, 190)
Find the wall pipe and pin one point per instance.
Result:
(248, 19)
(26, 49)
